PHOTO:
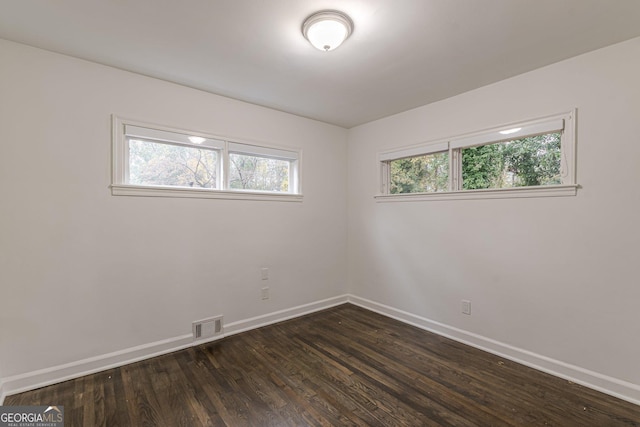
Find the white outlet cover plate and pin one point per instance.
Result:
(466, 306)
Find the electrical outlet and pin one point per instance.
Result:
(466, 307)
(264, 273)
(265, 292)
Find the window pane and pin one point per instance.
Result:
(524, 162)
(154, 163)
(420, 174)
(258, 173)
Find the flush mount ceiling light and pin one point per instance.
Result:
(327, 29)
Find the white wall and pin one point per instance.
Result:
(84, 273)
(551, 279)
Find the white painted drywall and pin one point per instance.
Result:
(553, 276)
(84, 273)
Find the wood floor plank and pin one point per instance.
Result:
(112, 415)
(88, 413)
(142, 410)
(345, 366)
(392, 374)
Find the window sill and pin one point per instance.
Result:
(153, 191)
(502, 193)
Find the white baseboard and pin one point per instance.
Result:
(282, 315)
(600, 382)
(612, 386)
(56, 374)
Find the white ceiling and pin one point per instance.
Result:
(402, 54)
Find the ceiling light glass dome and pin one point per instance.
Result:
(327, 29)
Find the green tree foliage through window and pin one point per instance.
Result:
(524, 162)
(420, 174)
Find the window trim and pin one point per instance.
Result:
(123, 129)
(183, 192)
(565, 122)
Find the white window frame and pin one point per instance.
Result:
(564, 123)
(123, 129)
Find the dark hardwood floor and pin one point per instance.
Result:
(340, 367)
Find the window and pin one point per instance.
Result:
(261, 169)
(524, 162)
(530, 159)
(153, 161)
(425, 173)
(171, 164)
